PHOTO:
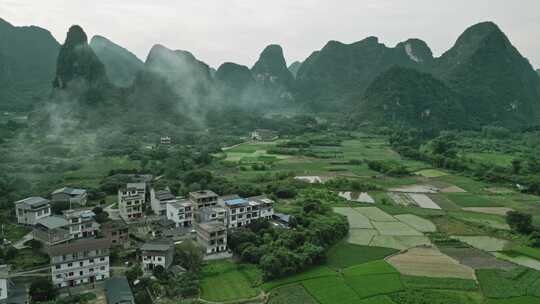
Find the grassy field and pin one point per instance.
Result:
(331, 290)
(414, 282)
(314, 272)
(226, 281)
(28, 258)
(95, 169)
(291, 294)
(344, 255)
(509, 284)
(372, 285)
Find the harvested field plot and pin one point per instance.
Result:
(402, 199)
(291, 294)
(490, 210)
(476, 258)
(361, 236)
(375, 214)
(417, 222)
(474, 200)
(360, 197)
(485, 243)
(423, 201)
(356, 219)
(396, 229)
(372, 285)
(331, 290)
(519, 260)
(452, 189)
(430, 262)
(416, 189)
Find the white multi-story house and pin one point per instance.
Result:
(212, 236)
(180, 212)
(79, 262)
(30, 210)
(242, 211)
(159, 200)
(70, 195)
(81, 223)
(209, 214)
(131, 201)
(157, 254)
(52, 230)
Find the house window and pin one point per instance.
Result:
(71, 274)
(102, 259)
(70, 264)
(81, 264)
(58, 267)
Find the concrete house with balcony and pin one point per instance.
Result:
(52, 230)
(157, 254)
(242, 211)
(79, 262)
(117, 232)
(180, 212)
(159, 200)
(131, 200)
(81, 223)
(212, 236)
(203, 198)
(70, 195)
(30, 210)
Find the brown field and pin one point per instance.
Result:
(430, 262)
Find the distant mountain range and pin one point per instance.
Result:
(482, 79)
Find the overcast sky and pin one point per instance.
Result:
(237, 30)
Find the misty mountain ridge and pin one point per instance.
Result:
(121, 65)
(27, 65)
(482, 74)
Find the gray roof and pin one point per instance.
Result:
(203, 193)
(70, 191)
(34, 201)
(79, 246)
(156, 247)
(118, 291)
(53, 222)
(164, 195)
(139, 186)
(180, 203)
(211, 226)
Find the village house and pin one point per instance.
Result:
(70, 195)
(263, 135)
(79, 262)
(82, 223)
(203, 198)
(32, 209)
(212, 236)
(157, 254)
(117, 232)
(52, 230)
(118, 291)
(180, 212)
(131, 201)
(208, 214)
(241, 211)
(159, 200)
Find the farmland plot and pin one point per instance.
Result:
(490, 210)
(476, 258)
(331, 290)
(424, 189)
(417, 222)
(361, 236)
(430, 262)
(519, 260)
(375, 214)
(423, 201)
(401, 199)
(356, 219)
(485, 243)
(396, 229)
